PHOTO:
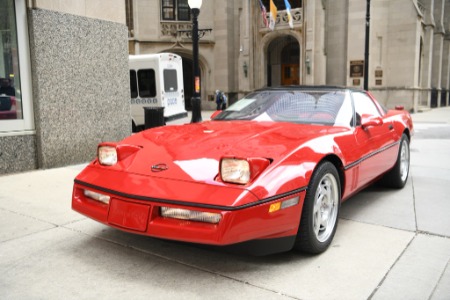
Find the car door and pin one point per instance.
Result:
(374, 137)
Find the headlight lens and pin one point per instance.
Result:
(107, 155)
(235, 170)
(192, 215)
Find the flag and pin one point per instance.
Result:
(264, 13)
(288, 10)
(273, 15)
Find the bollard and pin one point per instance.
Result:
(154, 117)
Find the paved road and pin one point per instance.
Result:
(389, 244)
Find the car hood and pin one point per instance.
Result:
(192, 152)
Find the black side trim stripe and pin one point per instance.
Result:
(192, 204)
(357, 162)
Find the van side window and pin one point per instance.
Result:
(170, 80)
(133, 84)
(147, 83)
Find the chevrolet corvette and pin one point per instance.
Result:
(266, 175)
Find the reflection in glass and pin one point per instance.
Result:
(10, 93)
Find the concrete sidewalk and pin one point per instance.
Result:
(390, 244)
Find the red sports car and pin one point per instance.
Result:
(266, 175)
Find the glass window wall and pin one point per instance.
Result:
(16, 98)
(10, 92)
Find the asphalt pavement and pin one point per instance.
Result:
(390, 244)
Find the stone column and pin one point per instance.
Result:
(438, 46)
(445, 79)
(427, 53)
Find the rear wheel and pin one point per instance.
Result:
(397, 177)
(320, 210)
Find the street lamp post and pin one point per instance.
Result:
(366, 48)
(195, 100)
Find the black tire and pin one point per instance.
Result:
(313, 236)
(398, 176)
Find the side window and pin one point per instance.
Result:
(133, 84)
(170, 80)
(147, 83)
(364, 106)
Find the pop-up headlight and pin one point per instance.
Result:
(107, 155)
(241, 171)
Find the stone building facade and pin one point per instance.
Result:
(409, 46)
(67, 65)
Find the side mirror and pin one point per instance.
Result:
(214, 114)
(370, 121)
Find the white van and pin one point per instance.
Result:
(156, 80)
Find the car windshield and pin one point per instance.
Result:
(323, 107)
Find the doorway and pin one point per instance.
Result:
(283, 62)
(290, 74)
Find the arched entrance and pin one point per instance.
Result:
(283, 62)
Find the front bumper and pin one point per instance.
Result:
(238, 224)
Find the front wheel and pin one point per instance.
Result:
(320, 210)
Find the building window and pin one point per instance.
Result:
(10, 100)
(15, 75)
(175, 10)
(280, 4)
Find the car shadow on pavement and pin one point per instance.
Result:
(379, 205)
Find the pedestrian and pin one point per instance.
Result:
(224, 101)
(219, 99)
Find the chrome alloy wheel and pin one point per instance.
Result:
(326, 205)
(404, 160)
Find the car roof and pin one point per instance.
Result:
(310, 87)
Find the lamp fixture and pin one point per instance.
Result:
(195, 4)
(308, 65)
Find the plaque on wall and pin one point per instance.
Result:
(356, 81)
(356, 68)
(378, 82)
(378, 73)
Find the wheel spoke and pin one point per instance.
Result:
(317, 214)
